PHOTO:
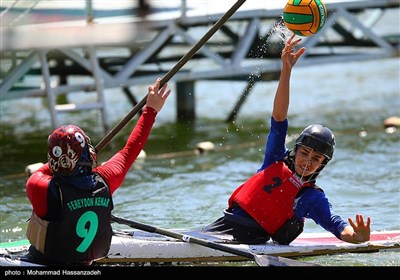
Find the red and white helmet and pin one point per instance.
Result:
(65, 147)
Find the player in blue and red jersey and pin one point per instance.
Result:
(274, 202)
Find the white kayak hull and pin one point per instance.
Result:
(126, 248)
(142, 247)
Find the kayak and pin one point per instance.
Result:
(141, 247)
(156, 248)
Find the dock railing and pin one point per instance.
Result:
(122, 54)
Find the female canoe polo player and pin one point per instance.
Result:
(72, 197)
(274, 202)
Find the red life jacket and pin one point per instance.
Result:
(268, 196)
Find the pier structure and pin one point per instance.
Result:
(122, 52)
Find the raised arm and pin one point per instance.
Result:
(289, 58)
(116, 168)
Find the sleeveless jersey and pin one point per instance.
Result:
(83, 231)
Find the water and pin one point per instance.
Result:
(175, 188)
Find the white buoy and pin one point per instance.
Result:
(29, 169)
(142, 156)
(204, 147)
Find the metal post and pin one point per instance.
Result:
(89, 11)
(99, 86)
(183, 9)
(185, 101)
(48, 87)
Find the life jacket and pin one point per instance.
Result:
(268, 197)
(82, 233)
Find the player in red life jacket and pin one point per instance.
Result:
(72, 197)
(273, 203)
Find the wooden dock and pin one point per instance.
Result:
(122, 52)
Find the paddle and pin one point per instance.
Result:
(170, 73)
(261, 260)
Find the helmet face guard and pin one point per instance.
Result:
(65, 147)
(317, 145)
(319, 138)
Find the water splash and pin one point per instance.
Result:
(270, 44)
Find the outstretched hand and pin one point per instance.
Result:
(362, 231)
(156, 97)
(289, 56)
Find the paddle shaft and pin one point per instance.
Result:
(261, 260)
(170, 73)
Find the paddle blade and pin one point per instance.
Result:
(267, 260)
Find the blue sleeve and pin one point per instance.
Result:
(275, 147)
(313, 204)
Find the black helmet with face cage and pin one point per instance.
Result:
(319, 138)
